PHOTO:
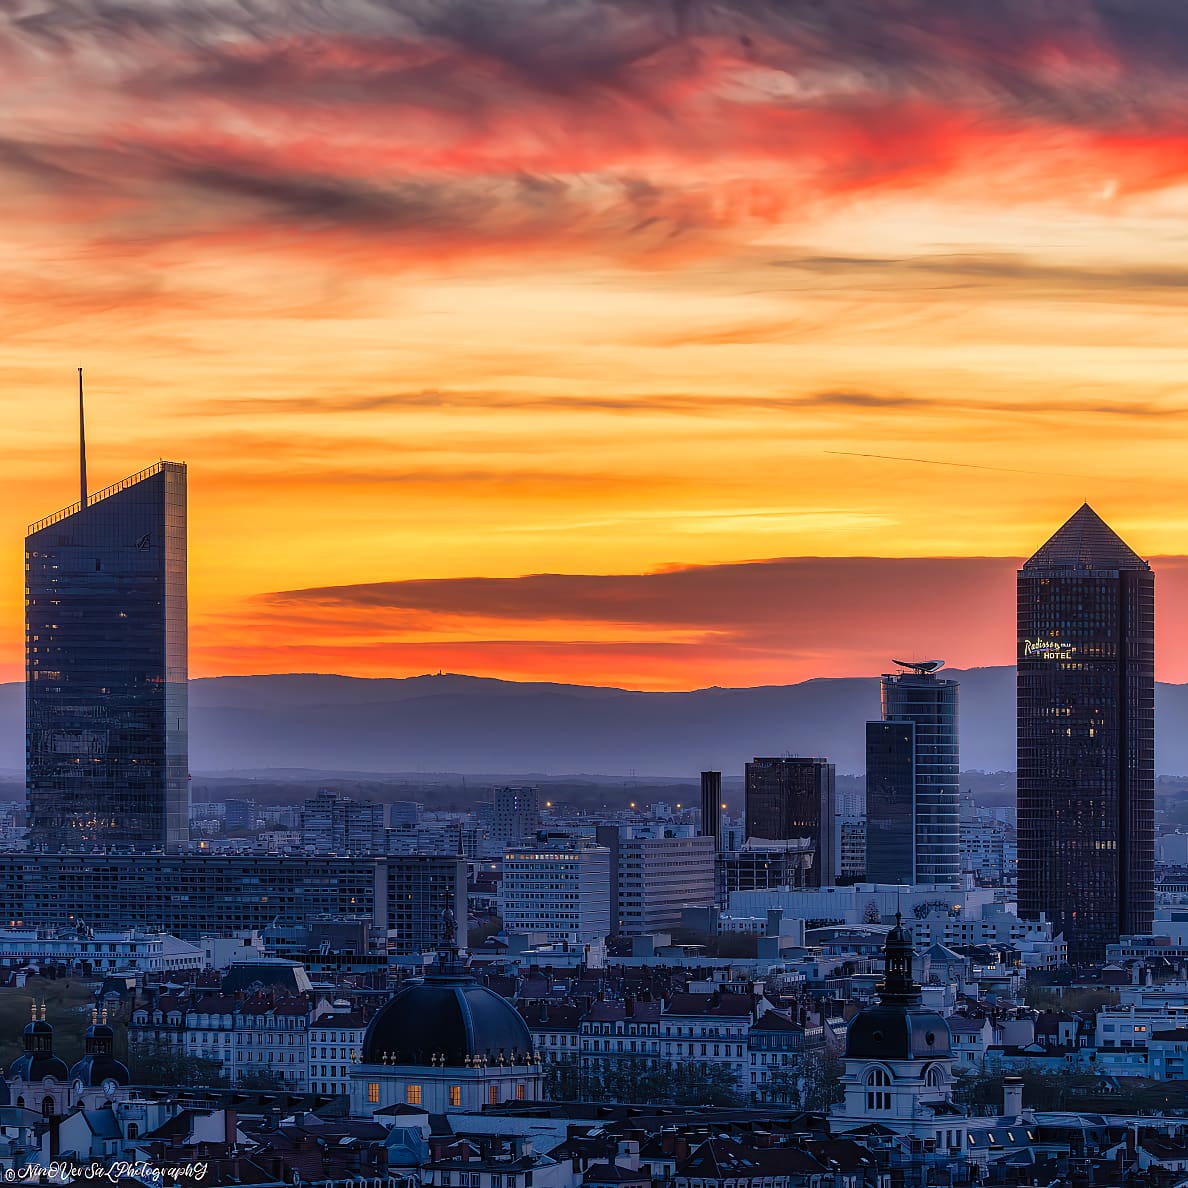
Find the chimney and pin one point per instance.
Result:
(230, 1127)
(1012, 1096)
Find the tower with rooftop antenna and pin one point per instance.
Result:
(106, 720)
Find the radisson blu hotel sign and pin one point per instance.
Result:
(1048, 649)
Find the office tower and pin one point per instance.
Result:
(1086, 722)
(105, 651)
(794, 797)
(913, 826)
(658, 877)
(711, 806)
(517, 814)
(561, 888)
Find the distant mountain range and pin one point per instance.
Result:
(474, 725)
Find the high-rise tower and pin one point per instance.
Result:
(913, 826)
(1086, 733)
(794, 797)
(106, 735)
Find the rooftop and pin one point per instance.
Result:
(1087, 543)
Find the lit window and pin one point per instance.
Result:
(412, 1095)
(373, 1092)
(455, 1095)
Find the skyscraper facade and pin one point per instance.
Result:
(791, 797)
(106, 710)
(913, 826)
(711, 806)
(1086, 736)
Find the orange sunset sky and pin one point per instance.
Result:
(554, 339)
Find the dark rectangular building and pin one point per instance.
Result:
(913, 827)
(191, 895)
(106, 726)
(890, 802)
(1086, 737)
(711, 806)
(794, 797)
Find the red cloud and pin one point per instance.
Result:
(763, 622)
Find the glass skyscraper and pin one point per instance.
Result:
(913, 826)
(1086, 731)
(106, 730)
(794, 797)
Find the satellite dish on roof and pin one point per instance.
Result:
(921, 667)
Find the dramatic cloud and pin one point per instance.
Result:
(612, 125)
(761, 622)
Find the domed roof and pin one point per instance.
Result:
(447, 1019)
(895, 1033)
(38, 1061)
(99, 1064)
(32, 1067)
(92, 1071)
(899, 1028)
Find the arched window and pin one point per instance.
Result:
(20, 1103)
(933, 1078)
(47, 1107)
(878, 1089)
(133, 1131)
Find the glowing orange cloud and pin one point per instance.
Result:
(435, 289)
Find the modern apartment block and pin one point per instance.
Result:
(517, 814)
(333, 824)
(189, 895)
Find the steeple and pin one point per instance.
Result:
(1085, 542)
(897, 987)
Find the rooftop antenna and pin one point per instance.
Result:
(82, 446)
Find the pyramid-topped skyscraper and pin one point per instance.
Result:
(1086, 736)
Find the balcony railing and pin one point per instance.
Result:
(122, 485)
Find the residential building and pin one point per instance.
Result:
(191, 895)
(333, 824)
(144, 952)
(517, 814)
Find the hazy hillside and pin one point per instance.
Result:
(474, 725)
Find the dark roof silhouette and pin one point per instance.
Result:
(447, 1018)
(1085, 542)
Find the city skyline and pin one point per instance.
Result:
(635, 288)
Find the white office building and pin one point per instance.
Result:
(561, 889)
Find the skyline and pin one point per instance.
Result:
(641, 296)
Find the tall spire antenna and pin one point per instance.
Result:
(82, 446)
